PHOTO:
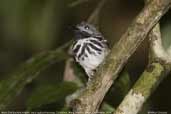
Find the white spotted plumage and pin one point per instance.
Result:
(89, 48)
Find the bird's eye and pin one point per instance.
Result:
(86, 27)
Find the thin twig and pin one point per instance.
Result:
(94, 17)
(77, 2)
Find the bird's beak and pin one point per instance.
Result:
(74, 28)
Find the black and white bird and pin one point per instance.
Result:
(89, 48)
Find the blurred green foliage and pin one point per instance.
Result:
(119, 89)
(165, 31)
(29, 27)
(49, 94)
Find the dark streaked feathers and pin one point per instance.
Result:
(94, 47)
(82, 50)
(90, 48)
(97, 43)
(76, 49)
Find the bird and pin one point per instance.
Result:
(89, 48)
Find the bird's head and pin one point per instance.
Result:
(85, 30)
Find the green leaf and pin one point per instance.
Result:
(107, 108)
(124, 83)
(119, 89)
(24, 74)
(80, 73)
(48, 94)
(165, 31)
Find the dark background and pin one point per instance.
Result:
(29, 27)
